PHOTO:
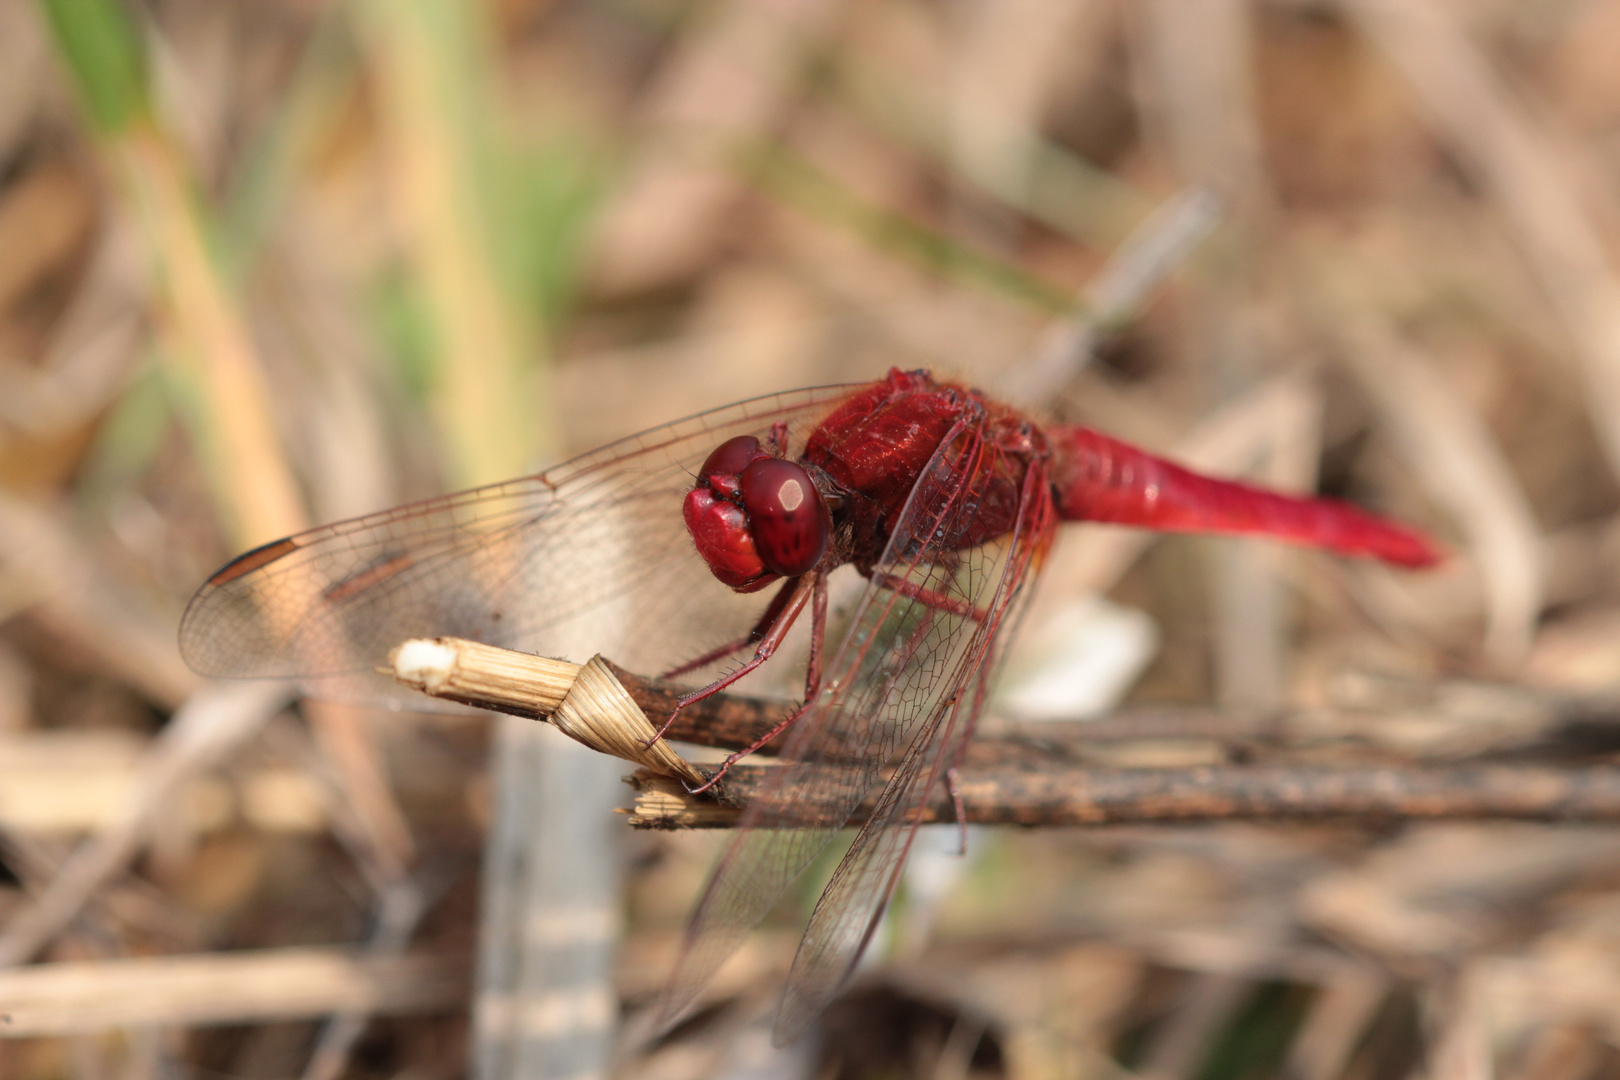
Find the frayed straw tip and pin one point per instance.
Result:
(424, 664)
(484, 676)
(585, 702)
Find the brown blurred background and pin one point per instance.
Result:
(265, 264)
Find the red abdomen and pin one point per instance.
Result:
(1097, 478)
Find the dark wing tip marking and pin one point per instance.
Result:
(249, 561)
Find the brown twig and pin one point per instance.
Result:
(1461, 717)
(216, 720)
(1087, 796)
(536, 687)
(1023, 774)
(244, 987)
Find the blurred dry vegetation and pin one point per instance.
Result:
(272, 262)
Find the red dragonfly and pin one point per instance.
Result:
(944, 500)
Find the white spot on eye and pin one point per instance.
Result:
(790, 495)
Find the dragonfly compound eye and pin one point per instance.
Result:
(731, 457)
(785, 516)
(722, 466)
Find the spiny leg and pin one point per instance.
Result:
(812, 685)
(1038, 511)
(952, 778)
(803, 586)
(953, 772)
(953, 788)
(773, 611)
(818, 637)
(927, 597)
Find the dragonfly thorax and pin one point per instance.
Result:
(755, 517)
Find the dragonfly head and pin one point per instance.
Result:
(754, 517)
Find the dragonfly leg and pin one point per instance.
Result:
(936, 600)
(812, 686)
(818, 634)
(773, 611)
(953, 788)
(763, 740)
(803, 587)
(953, 772)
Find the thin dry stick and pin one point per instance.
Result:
(1194, 67)
(587, 702)
(1194, 81)
(400, 900)
(1527, 174)
(70, 781)
(93, 350)
(1149, 255)
(1342, 1010)
(401, 908)
(1499, 718)
(212, 350)
(665, 217)
(1070, 795)
(253, 986)
(1040, 787)
(1009, 60)
(616, 712)
(1460, 462)
(45, 567)
(1206, 1004)
(214, 722)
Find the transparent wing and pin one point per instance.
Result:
(849, 908)
(591, 556)
(901, 686)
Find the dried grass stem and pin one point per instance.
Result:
(1024, 774)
